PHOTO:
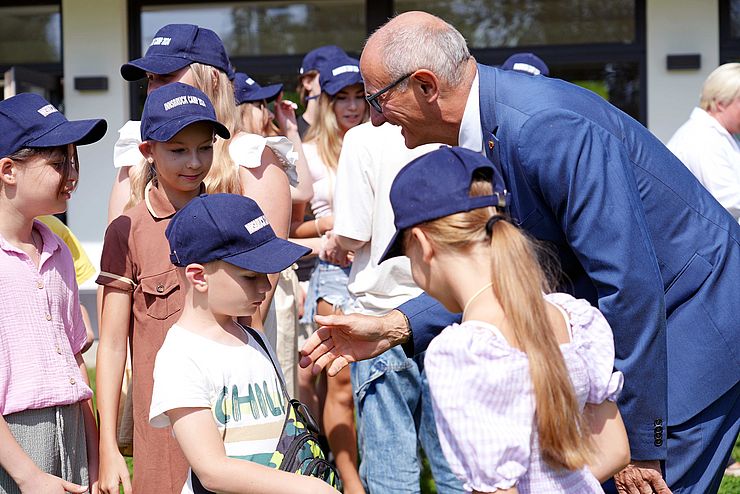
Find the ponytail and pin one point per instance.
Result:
(518, 284)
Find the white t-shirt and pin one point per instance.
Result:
(713, 156)
(245, 150)
(239, 384)
(370, 159)
(323, 181)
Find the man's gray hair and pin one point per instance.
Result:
(439, 48)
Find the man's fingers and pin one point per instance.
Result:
(322, 361)
(336, 366)
(657, 483)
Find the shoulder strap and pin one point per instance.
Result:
(258, 338)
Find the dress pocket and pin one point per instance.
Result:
(158, 294)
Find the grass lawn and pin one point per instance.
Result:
(730, 485)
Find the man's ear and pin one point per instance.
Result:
(8, 171)
(425, 244)
(196, 276)
(427, 83)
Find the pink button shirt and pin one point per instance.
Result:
(41, 328)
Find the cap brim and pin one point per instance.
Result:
(267, 93)
(137, 69)
(271, 257)
(167, 131)
(79, 132)
(395, 247)
(341, 82)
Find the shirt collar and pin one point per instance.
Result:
(50, 241)
(157, 202)
(702, 115)
(471, 131)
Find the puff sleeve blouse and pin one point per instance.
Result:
(484, 403)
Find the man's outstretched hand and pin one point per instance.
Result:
(342, 339)
(641, 477)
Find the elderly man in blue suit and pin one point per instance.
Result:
(634, 230)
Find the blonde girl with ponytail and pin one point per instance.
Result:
(524, 386)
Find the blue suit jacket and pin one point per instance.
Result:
(636, 234)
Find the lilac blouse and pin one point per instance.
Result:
(484, 403)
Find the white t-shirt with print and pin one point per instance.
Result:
(239, 384)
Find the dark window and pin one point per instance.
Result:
(599, 45)
(729, 31)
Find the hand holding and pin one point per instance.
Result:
(285, 115)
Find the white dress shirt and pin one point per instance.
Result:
(471, 132)
(713, 156)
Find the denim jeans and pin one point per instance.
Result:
(395, 415)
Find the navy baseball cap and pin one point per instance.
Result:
(230, 228)
(337, 73)
(176, 46)
(172, 107)
(246, 90)
(526, 62)
(436, 185)
(316, 57)
(29, 121)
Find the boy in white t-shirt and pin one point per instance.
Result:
(214, 381)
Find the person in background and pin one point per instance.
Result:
(48, 433)
(342, 106)
(529, 63)
(391, 393)
(84, 269)
(707, 143)
(309, 88)
(258, 122)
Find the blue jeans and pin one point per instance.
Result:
(394, 410)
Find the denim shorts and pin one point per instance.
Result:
(328, 282)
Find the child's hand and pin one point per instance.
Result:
(113, 472)
(44, 483)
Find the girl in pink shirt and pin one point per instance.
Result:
(48, 435)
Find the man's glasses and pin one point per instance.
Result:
(372, 99)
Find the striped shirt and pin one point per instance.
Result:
(41, 328)
(484, 403)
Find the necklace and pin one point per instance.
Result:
(475, 295)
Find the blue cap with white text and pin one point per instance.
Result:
(339, 72)
(246, 90)
(172, 107)
(230, 228)
(176, 46)
(29, 121)
(436, 185)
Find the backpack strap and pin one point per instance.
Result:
(258, 338)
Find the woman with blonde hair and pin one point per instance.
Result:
(341, 106)
(510, 382)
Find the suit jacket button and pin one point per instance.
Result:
(659, 442)
(658, 422)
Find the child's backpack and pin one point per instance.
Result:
(298, 450)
